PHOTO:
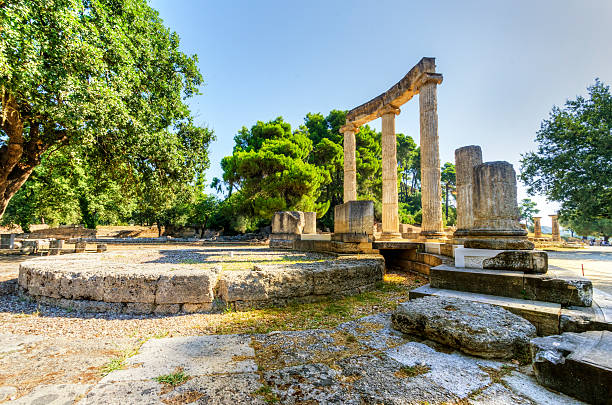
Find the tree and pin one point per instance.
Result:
(104, 75)
(449, 181)
(573, 162)
(527, 209)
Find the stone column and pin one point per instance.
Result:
(537, 227)
(390, 215)
(556, 235)
(496, 215)
(350, 170)
(466, 158)
(431, 190)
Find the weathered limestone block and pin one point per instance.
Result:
(288, 222)
(29, 246)
(101, 247)
(518, 260)
(567, 291)
(191, 285)
(80, 246)
(7, 241)
(242, 285)
(55, 246)
(346, 277)
(478, 329)
(354, 221)
(82, 285)
(310, 222)
(496, 224)
(576, 364)
(466, 158)
(130, 286)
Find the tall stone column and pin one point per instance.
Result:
(350, 168)
(466, 158)
(556, 235)
(390, 216)
(431, 190)
(537, 227)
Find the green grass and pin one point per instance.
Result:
(174, 379)
(118, 363)
(412, 371)
(267, 394)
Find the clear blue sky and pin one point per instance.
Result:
(505, 63)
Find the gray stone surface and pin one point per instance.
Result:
(478, 329)
(56, 394)
(529, 261)
(7, 392)
(354, 221)
(577, 364)
(291, 222)
(11, 343)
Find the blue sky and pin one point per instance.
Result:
(505, 63)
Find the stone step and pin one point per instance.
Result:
(577, 364)
(543, 315)
(567, 291)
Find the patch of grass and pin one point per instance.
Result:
(160, 334)
(412, 371)
(118, 363)
(325, 314)
(174, 379)
(265, 391)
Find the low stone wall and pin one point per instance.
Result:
(103, 284)
(413, 260)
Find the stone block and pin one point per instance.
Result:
(186, 285)
(354, 218)
(130, 287)
(138, 308)
(567, 291)
(7, 241)
(79, 247)
(288, 222)
(492, 282)
(197, 308)
(29, 246)
(310, 223)
(576, 364)
(82, 285)
(529, 261)
(167, 309)
(101, 247)
(475, 328)
(56, 246)
(243, 285)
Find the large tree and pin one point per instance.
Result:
(573, 162)
(103, 75)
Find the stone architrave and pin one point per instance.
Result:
(431, 190)
(537, 227)
(7, 241)
(496, 215)
(350, 168)
(390, 215)
(466, 158)
(556, 235)
(310, 222)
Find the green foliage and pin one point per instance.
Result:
(103, 78)
(449, 185)
(173, 379)
(527, 209)
(573, 162)
(587, 227)
(368, 155)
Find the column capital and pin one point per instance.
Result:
(349, 127)
(388, 109)
(426, 78)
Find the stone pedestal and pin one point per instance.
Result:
(354, 221)
(287, 226)
(431, 190)
(390, 207)
(556, 235)
(55, 246)
(350, 168)
(310, 222)
(101, 247)
(496, 214)
(79, 247)
(537, 227)
(7, 241)
(466, 158)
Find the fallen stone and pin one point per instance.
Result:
(518, 260)
(576, 364)
(478, 329)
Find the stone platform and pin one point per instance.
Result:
(567, 291)
(194, 280)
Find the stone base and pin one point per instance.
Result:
(499, 243)
(529, 261)
(390, 236)
(351, 237)
(576, 364)
(316, 236)
(562, 290)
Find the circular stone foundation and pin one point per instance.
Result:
(170, 280)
